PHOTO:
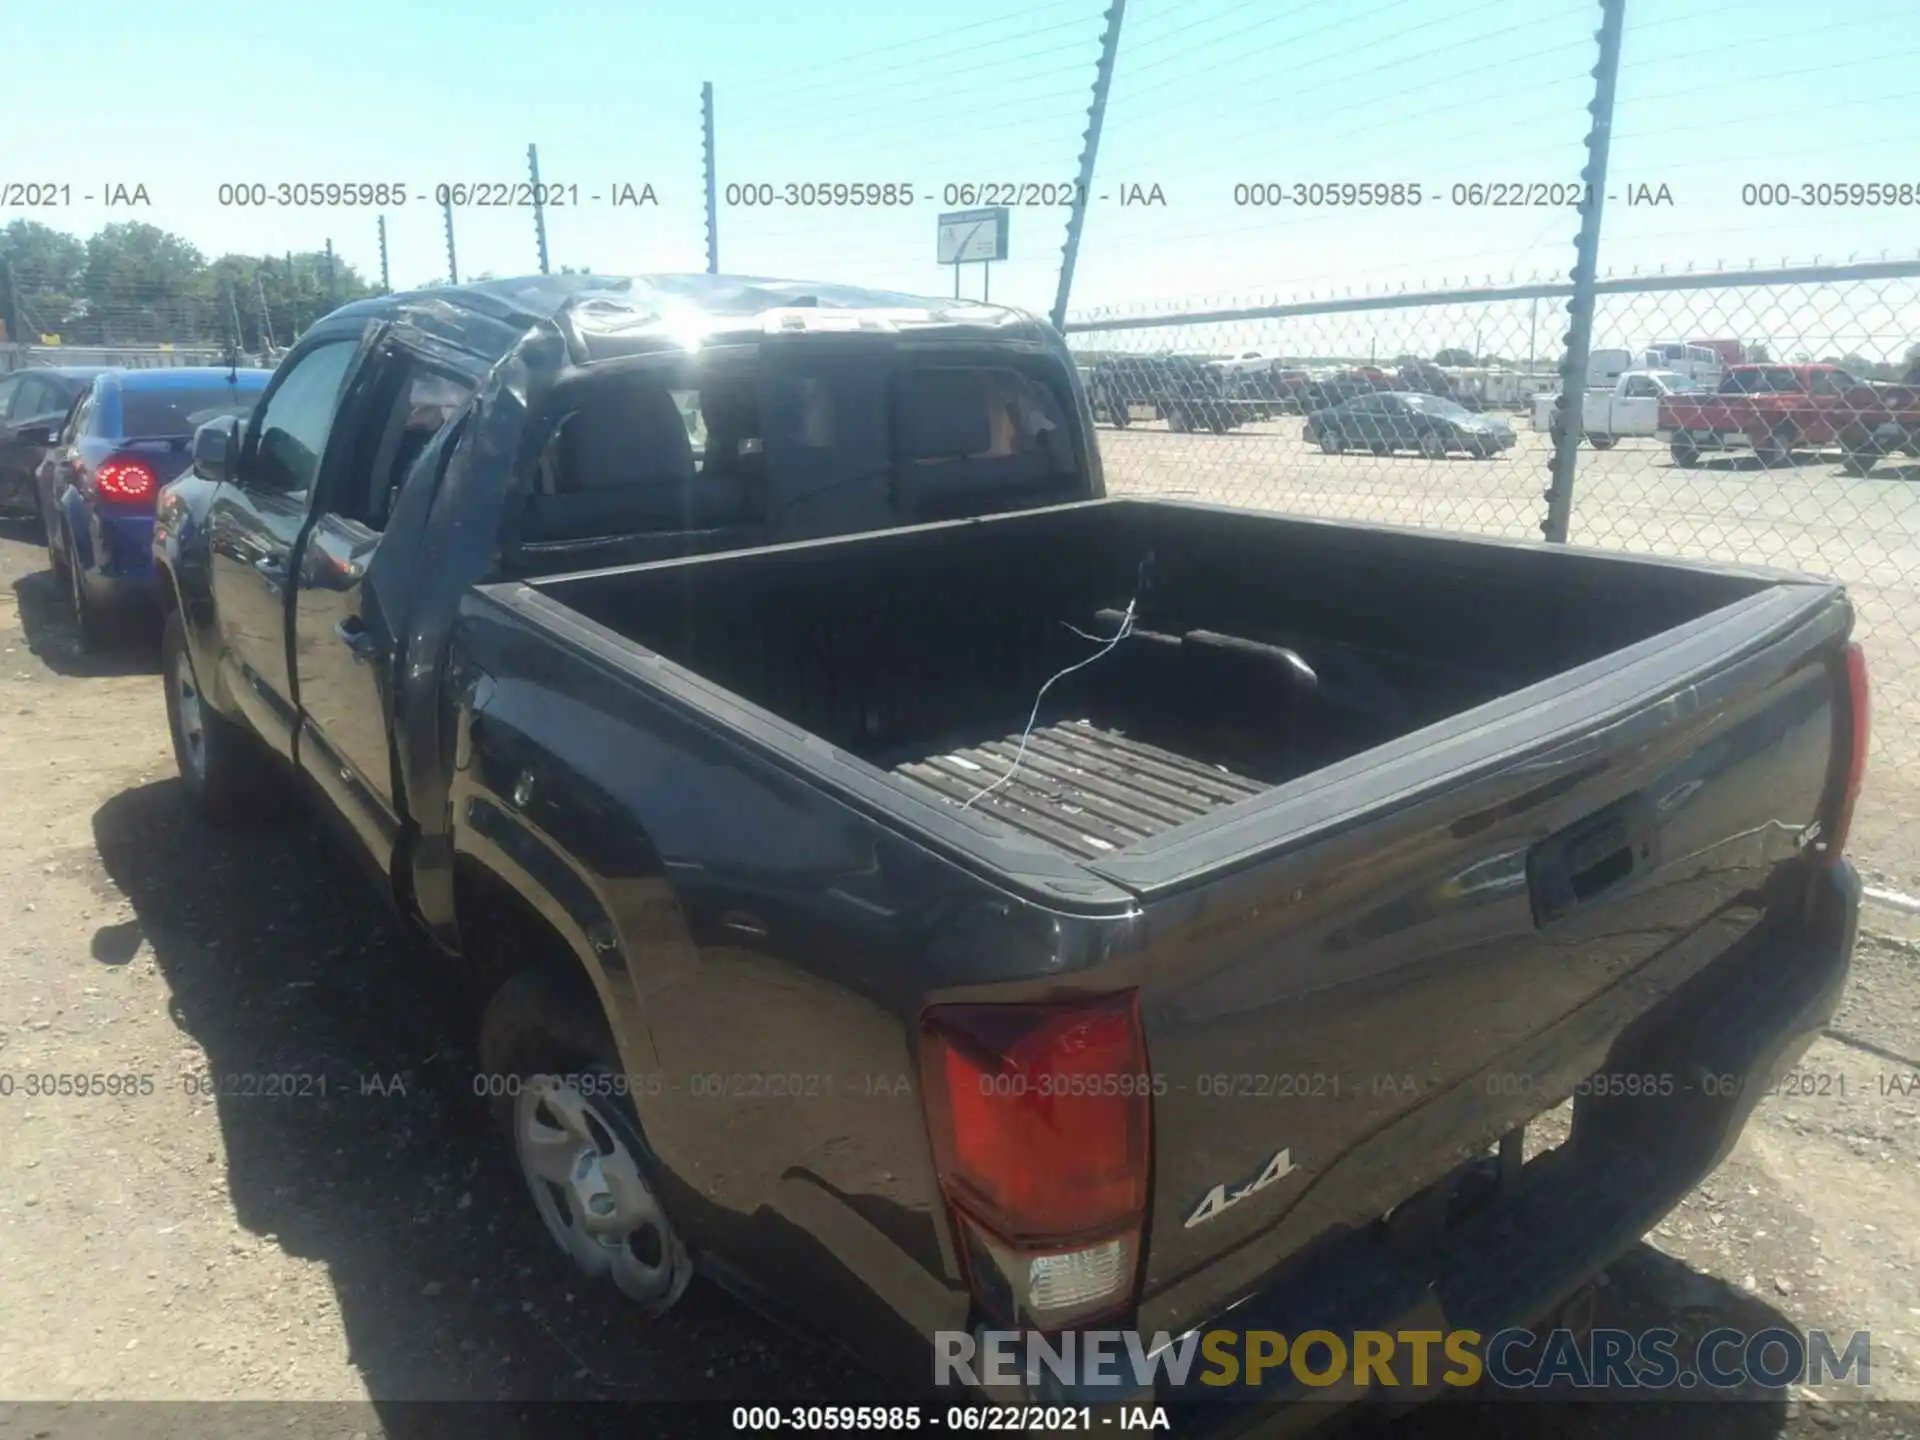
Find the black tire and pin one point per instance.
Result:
(1601, 442)
(93, 627)
(541, 1030)
(1777, 450)
(56, 548)
(1858, 465)
(228, 775)
(1685, 456)
(1333, 444)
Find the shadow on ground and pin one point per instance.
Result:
(46, 616)
(383, 1168)
(280, 962)
(1644, 1290)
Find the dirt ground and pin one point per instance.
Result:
(368, 1242)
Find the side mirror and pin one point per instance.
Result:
(215, 447)
(40, 436)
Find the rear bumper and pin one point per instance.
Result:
(1566, 1216)
(118, 558)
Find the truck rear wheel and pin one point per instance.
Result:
(1775, 449)
(1685, 456)
(577, 1139)
(1601, 442)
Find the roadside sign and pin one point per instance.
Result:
(970, 236)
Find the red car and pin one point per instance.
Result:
(1775, 409)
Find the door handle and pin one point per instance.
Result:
(353, 634)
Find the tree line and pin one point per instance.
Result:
(136, 284)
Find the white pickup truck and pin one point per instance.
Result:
(1630, 407)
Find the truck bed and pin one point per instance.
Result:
(922, 652)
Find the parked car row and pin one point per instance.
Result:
(824, 946)
(87, 450)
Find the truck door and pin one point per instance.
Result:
(344, 639)
(254, 524)
(1636, 408)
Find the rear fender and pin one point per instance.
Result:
(510, 852)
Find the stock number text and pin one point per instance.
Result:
(815, 194)
(304, 194)
(1326, 193)
(1823, 195)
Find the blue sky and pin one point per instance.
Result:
(1714, 94)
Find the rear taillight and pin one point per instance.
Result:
(1040, 1117)
(126, 481)
(1856, 725)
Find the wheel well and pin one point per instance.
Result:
(502, 935)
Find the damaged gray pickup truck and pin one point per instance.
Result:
(922, 893)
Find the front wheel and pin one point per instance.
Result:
(1685, 456)
(226, 772)
(1332, 444)
(1601, 442)
(1433, 446)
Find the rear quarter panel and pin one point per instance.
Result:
(763, 950)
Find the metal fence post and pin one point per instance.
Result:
(539, 206)
(706, 153)
(10, 316)
(386, 283)
(1569, 416)
(266, 315)
(453, 265)
(1096, 114)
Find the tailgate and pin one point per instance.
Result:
(1366, 978)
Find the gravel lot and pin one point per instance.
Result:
(371, 1245)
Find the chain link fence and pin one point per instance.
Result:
(1436, 408)
(123, 357)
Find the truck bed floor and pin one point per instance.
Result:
(1083, 788)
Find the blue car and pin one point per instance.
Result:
(129, 434)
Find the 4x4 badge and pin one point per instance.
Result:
(1221, 1196)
